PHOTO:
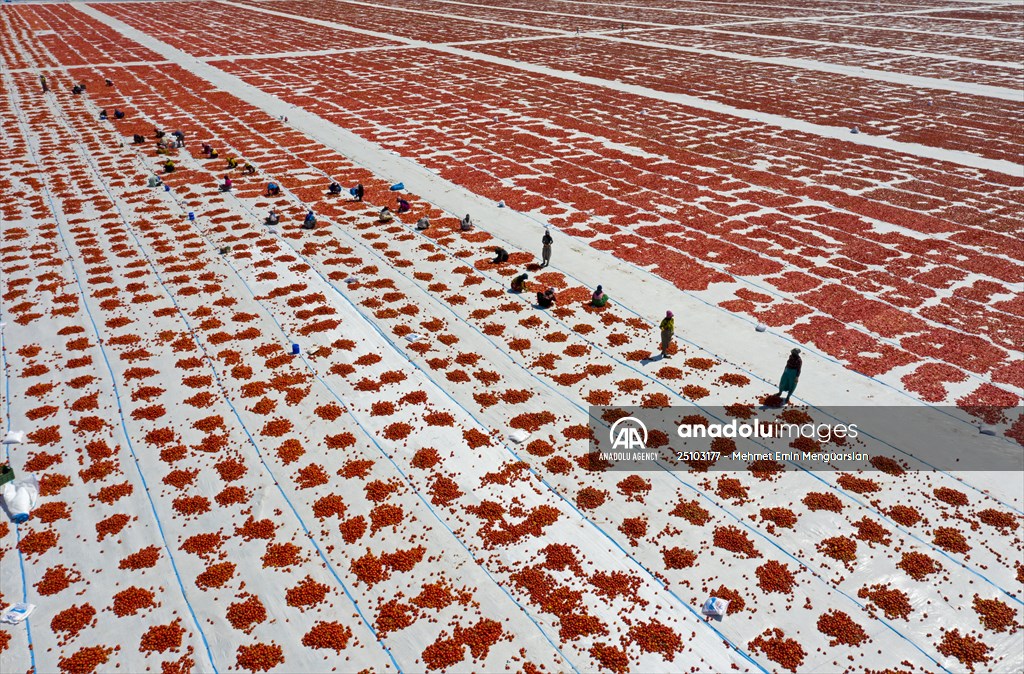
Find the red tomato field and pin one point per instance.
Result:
(350, 447)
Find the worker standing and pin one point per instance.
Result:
(546, 250)
(668, 329)
(790, 375)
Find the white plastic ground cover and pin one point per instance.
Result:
(741, 627)
(523, 231)
(414, 640)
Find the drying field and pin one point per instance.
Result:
(847, 175)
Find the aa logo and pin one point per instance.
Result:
(628, 433)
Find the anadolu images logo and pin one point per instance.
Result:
(628, 433)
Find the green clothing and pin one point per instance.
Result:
(599, 302)
(787, 384)
(668, 328)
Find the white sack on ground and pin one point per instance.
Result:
(20, 496)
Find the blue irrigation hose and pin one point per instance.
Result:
(703, 409)
(758, 377)
(784, 337)
(383, 452)
(369, 435)
(508, 449)
(127, 437)
(385, 336)
(227, 399)
(373, 252)
(17, 527)
(124, 428)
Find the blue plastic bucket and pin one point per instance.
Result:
(295, 349)
(397, 187)
(191, 215)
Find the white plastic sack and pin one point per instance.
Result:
(715, 607)
(14, 437)
(518, 436)
(16, 613)
(20, 497)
